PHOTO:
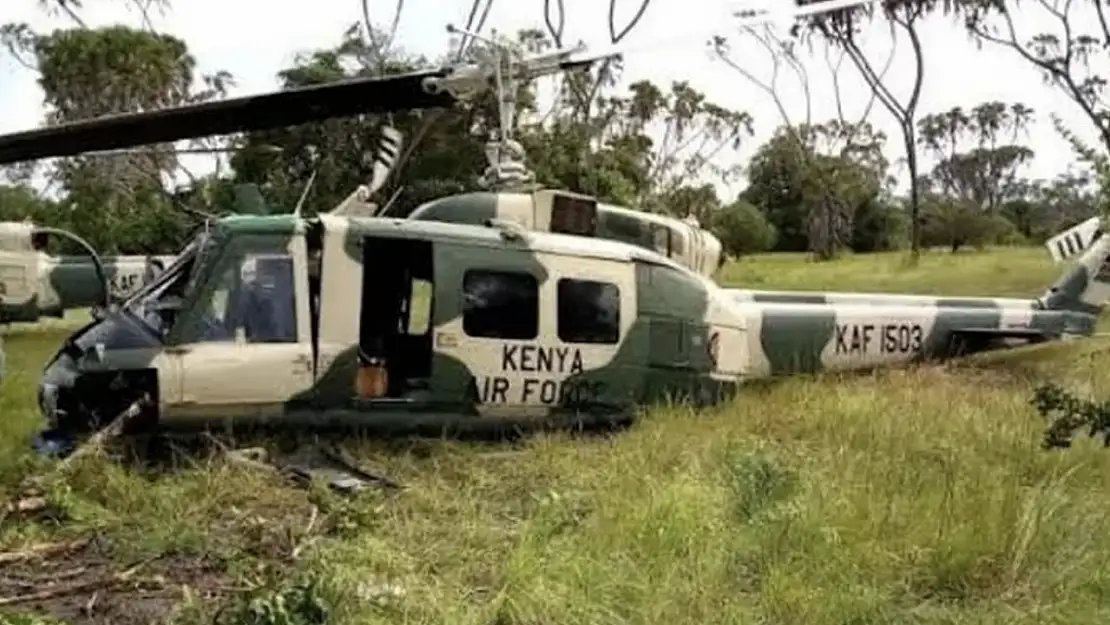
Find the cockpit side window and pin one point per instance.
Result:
(254, 293)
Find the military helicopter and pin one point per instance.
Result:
(422, 325)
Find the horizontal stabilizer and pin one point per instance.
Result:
(1003, 333)
(971, 340)
(1073, 240)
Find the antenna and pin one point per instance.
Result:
(384, 211)
(304, 193)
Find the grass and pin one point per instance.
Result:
(908, 496)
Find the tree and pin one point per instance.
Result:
(603, 147)
(879, 226)
(92, 72)
(976, 173)
(824, 219)
(594, 142)
(835, 171)
(984, 173)
(743, 229)
(443, 150)
(1042, 208)
(1063, 58)
(843, 27)
(700, 202)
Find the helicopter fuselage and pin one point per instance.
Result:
(384, 323)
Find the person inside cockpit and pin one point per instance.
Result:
(266, 301)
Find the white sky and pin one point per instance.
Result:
(253, 39)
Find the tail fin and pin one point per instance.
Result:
(1086, 286)
(1073, 240)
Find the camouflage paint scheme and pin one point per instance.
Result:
(683, 241)
(680, 335)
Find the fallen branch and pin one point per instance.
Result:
(72, 589)
(38, 580)
(26, 507)
(94, 442)
(306, 537)
(98, 440)
(102, 583)
(42, 549)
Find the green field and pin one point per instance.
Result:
(909, 496)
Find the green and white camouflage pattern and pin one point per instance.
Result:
(404, 291)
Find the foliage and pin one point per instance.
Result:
(956, 224)
(986, 172)
(281, 161)
(879, 226)
(1069, 414)
(743, 229)
(843, 29)
(299, 602)
(819, 183)
(1065, 51)
(118, 202)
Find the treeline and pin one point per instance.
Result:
(818, 187)
(974, 195)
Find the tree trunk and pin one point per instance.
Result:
(915, 200)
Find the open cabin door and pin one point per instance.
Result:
(395, 319)
(244, 348)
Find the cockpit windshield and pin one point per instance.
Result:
(151, 304)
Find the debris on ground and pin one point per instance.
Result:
(79, 582)
(303, 466)
(313, 463)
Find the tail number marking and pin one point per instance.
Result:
(887, 338)
(123, 283)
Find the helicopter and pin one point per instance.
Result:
(425, 326)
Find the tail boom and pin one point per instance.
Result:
(787, 338)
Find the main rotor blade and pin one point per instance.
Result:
(259, 112)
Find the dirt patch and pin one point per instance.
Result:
(81, 582)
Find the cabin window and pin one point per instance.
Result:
(255, 294)
(501, 305)
(589, 311)
(678, 243)
(573, 215)
(661, 239)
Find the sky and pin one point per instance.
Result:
(254, 39)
